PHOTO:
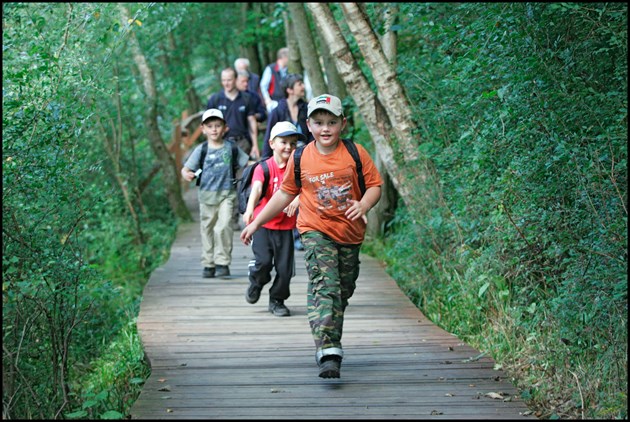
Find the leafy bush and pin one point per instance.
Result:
(523, 110)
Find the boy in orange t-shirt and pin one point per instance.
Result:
(331, 223)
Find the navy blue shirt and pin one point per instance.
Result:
(282, 114)
(234, 112)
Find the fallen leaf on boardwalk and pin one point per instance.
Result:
(275, 390)
(449, 395)
(169, 410)
(165, 388)
(161, 379)
(494, 395)
(436, 412)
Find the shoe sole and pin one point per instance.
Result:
(329, 369)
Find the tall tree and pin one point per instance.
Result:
(392, 93)
(295, 57)
(167, 163)
(385, 208)
(308, 52)
(374, 114)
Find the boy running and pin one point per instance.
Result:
(331, 222)
(273, 243)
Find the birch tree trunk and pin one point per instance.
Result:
(384, 210)
(392, 94)
(335, 84)
(167, 163)
(295, 57)
(371, 109)
(308, 52)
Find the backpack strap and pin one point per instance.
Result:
(352, 149)
(265, 168)
(235, 165)
(297, 172)
(204, 152)
(202, 159)
(354, 152)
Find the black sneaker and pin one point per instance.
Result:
(222, 271)
(330, 366)
(253, 293)
(208, 272)
(277, 308)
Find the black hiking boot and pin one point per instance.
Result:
(253, 293)
(330, 366)
(277, 308)
(208, 272)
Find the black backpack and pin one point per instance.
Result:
(244, 184)
(352, 149)
(204, 152)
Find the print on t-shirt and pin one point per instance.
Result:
(333, 191)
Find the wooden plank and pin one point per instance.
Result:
(214, 356)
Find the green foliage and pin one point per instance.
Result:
(68, 287)
(523, 110)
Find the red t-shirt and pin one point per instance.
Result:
(329, 182)
(276, 174)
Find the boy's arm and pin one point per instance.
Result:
(254, 196)
(277, 203)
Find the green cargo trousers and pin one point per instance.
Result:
(333, 270)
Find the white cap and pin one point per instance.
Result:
(285, 129)
(325, 102)
(212, 112)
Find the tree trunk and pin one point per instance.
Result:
(310, 58)
(384, 210)
(250, 50)
(170, 177)
(392, 93)
(295, 58)
(371, 109)
(335, 84)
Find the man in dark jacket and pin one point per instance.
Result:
(292, 108)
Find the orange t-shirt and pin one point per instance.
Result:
(329, 182)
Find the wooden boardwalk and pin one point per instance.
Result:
(214, 356)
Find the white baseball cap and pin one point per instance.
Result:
(212, 112)
(285, 129)
(325, 102)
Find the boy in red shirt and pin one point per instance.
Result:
(273, 243)
(331, 222)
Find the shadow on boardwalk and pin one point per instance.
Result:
(214, 356)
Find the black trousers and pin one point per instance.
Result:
(273, 249)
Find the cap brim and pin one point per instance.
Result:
(290, 133)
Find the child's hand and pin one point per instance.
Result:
(247, 233)
(292, 207)
(356, 211)
(248, 217)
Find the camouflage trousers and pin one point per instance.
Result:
(332, 270)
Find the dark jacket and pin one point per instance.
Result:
(281, 114)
